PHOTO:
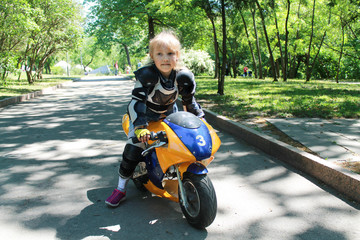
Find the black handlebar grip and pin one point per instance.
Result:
(153, 136)
(135, 140)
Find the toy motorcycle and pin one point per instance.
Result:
(181, 147)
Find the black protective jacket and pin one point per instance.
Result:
(155, 96)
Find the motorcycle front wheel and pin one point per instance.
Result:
(201, 198)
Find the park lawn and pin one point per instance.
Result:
(14, 87)
(246, 98)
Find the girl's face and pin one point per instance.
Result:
(165, 59)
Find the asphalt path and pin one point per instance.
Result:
(59, 158)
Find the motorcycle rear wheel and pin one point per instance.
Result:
(201, 198)
(139, 183)
(140, 177)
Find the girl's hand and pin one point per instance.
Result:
(142, 134)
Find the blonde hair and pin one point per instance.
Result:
(166, 38)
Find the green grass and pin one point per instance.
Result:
(248, 98)
(14, 87)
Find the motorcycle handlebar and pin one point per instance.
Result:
(153, 136)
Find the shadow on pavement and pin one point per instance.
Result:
(284, 198)
(141, 216)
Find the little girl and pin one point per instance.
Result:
(156, 90)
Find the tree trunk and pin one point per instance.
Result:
(272, 62)
(29, 76)
(221, 81)
(42, 63)
(47, 68)
(278, 66)
(86, 65)
(297, 65)
(28, 69)
(307, 62)
(286, 59)
(234, 67)
(282, 61)
(216, 48)
(151, 28)
(250, 46)
(39, 73)
(295, 59)
(341, 52)
(127, 54)
(310, 67)
(3, 76)
(257, 45)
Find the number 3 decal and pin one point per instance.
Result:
(200, 140)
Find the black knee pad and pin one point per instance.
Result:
(131, 157)
(133, 153)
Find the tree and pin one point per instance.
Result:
(307, 62)
(250, 46)
(221, 81)
(15, 23)
(252, 9)
(310, 66)
(346, 15)
(58, 30)
(282, 57)
(272, 62)
(130, 24)
(286, 60)
(212, 10)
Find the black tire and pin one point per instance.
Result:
(201, 197)
(139, 183)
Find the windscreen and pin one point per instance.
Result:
(184, 119)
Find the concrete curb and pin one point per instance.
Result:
(344, 181)
(17, 99)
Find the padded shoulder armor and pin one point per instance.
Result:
(186, 82)
(185, 77)
(147, 75)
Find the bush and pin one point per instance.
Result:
(199, 62)
(58, 70)
(77, 71)
(7, 64)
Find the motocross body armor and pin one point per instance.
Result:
(154, 96)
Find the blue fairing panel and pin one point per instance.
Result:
(154, 169)
(197, 169)
(197, 140)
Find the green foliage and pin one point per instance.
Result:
(127, 23)
(76, 71)
(199, 62)
(7, 64)
(58, 70)
(33, 31)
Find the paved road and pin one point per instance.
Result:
(58, 162)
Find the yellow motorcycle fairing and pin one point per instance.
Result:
(169, 193)
(173, 153)
(126, 123)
